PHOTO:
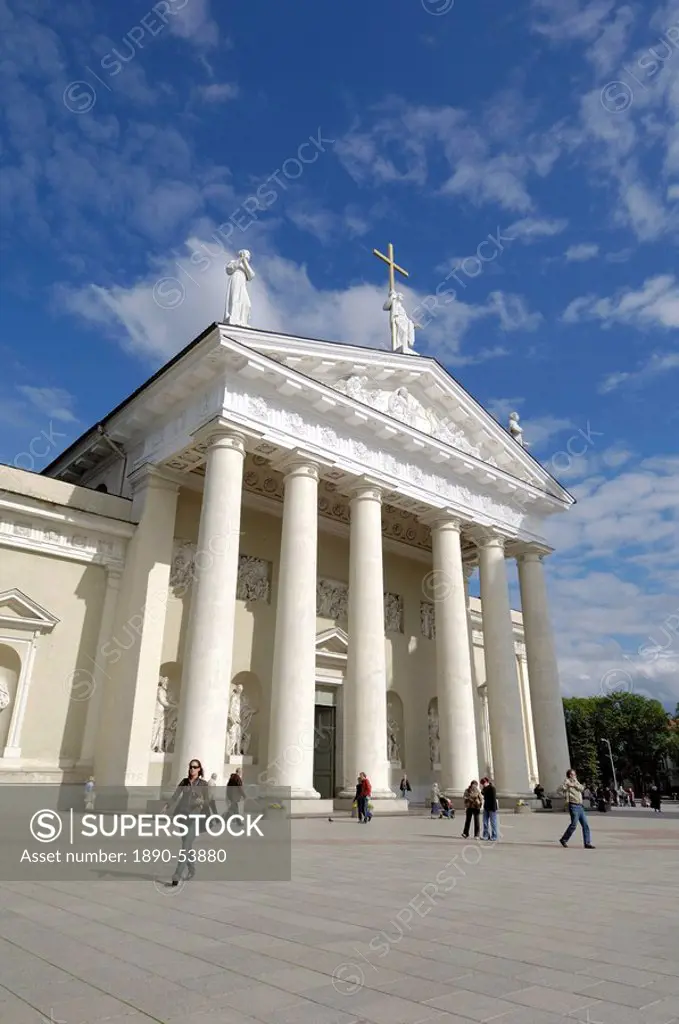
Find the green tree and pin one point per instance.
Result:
(638, 730)
(582, 742)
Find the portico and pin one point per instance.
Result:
(289, 493)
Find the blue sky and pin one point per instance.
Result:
(133, 131)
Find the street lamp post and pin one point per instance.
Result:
(610, 754)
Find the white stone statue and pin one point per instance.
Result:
(515, 429)
(4, 696)
(241, 714)
(393, 748)
(238, 305)
(164, 719)
(402, 327)
(434, 738)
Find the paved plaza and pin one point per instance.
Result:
(396, 922)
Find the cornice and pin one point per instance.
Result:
(64, 533)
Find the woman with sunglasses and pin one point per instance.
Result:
(191, 796)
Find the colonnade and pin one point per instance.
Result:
(203, 710)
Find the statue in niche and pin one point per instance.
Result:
(241, 713)
(238, 305)
(433, 717)
(393, 748)
(4, 696)
(164, 719)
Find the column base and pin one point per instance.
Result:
(508, 800)
(300, 808)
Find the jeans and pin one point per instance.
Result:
(185, 866)
(577, 813)
(489, 824)
(362, 808)
(471, 812)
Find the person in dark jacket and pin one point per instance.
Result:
(489, 810)
(405, 787)
(473, 801)
(234, 792)
(656, 799)
(191, 796)
(363, 797)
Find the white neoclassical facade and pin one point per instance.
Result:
(262, 559)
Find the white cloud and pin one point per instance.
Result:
(531, 229)
(219, 92)
(657, 364)
(56, 403)
(490, 159)
(654, 305)
(568, 20)
(161, 312)
(195, 23)
(615, 577)
(582, 252)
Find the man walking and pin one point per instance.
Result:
(572, 790)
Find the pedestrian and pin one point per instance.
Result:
(572, 791)
(355, 810)
(473, 802)
(447, 809)
(656, 799)
(435, 800)
(363, 794)
(234, 793)
(631, 797)
(489, 794)
(405, 787)
(191, 797)
(90, 795)
(212, 786)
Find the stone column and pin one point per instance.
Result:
(131, 659)
(527, 710)
(293, 684)
(543, 675)
(504, 699)
(99, 677)
(206, 676)
(365, 689)
(480, 709)
(457, 728)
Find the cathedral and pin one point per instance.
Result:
(261, 559)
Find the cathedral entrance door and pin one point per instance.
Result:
(324, 751)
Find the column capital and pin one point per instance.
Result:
(490, 540)
(298, 463)
(365, 488)
(468, 569)
(442, 520)
(222, 433)
(152, 476)
(533, 553)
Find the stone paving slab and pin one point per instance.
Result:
(403, 922)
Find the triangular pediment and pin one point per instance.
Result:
(17, 611)
(412, 390)
(332, 642)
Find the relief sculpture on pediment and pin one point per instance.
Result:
(403, 406)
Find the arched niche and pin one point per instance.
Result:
(10, 673)
(395, 730)
(251, 706)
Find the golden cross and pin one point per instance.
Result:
(389, 260)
